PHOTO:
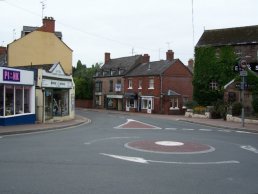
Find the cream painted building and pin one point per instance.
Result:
(40, 46)
(41, 50)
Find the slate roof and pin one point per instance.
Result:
(32, 28)
(119, 66)
(229, 36)
(151, 68)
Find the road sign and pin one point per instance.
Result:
(243, 73)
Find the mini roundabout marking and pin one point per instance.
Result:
(134, 124)
(169, 147)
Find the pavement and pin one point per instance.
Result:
(79, 120)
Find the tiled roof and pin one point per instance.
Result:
(151, 68)
(229, 36)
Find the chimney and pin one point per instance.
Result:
(107, 57)
(145, 58)
(2, 50)
(191, 64)
(170, 55)
(48, 25)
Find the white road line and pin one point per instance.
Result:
(107, 138)
(247, 132)
(184, 129)
(205, 130)
(144, 161)
(249, 148)
(225, 130)
(131, 120)
(172, 129)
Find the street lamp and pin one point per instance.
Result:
(243, 74)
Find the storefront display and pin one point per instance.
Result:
(17, 96)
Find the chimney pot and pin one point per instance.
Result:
(170, 55)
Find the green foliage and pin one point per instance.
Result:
(219, 110)
(83, 80)
(191, 104)
(212, 64)
(236, 109)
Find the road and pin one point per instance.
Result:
(122, 153)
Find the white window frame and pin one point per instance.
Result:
(148, 99)
(151, 83)
(140, 84)
(130, 84)
(174, 103)
(213, 85)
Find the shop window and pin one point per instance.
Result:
(151, 83)
(60, 102)
(9, 99)
(131, 103)
(18, 99)
(27, 99)
(1, 100)
(146, 104)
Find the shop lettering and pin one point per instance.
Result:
(9, 75)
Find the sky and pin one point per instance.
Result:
(127, 27)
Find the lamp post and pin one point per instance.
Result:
(243, 74)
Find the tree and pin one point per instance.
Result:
(83, 80)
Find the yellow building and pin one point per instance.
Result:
(42, 50)
(40, 46)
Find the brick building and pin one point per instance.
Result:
(109, 81)
(158, 87)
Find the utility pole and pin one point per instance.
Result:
(43, 6)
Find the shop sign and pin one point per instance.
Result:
(11, 75)
(56, 83)
(118, 87)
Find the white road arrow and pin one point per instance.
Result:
(250, 148)
(144, 161)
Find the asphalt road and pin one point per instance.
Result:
(94, 158)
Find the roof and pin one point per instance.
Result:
(32, 28)
(229, 36)
(151, 68)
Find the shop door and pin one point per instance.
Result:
(48, 104)
(119, 105)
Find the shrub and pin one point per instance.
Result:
(191, 104)
(199, 110)
(219, 110)
(236, 109)
(255, 104)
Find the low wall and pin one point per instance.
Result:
(79, 103)
(239, 119)
(192, 115)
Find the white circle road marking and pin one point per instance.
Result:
(169, 143)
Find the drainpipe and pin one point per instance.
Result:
(161, 92)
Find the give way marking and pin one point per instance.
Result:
(144, 161)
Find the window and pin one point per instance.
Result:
(174, 103)
(18, 100)
(131, 103)
(98, 100)
(185, 100)
(98, 86)
(147, 103)
(140, 84)
(118, 86)
(27, 99)
(60, 102)
(151, 83)
(130, 84)
(1, 100)
(110, 85)
(213, 85)
(9, 99)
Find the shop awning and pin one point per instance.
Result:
(131, 95)
(114, 96)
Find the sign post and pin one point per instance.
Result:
(243, 74)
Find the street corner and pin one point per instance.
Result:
(169, 147)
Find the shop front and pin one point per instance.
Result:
(114, 102)
(56, 95)
(17, 96)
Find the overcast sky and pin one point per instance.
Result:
(125, 27)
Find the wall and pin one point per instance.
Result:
(39, 48)
(80, 103)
